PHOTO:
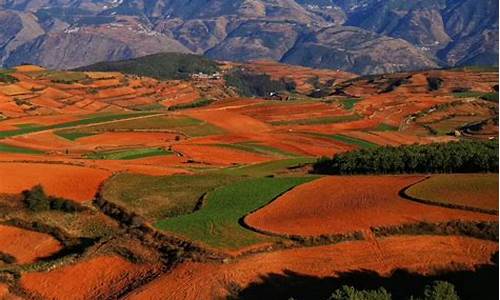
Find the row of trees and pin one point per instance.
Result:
(453, 157)
(439, 290)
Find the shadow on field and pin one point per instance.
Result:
(479, 284)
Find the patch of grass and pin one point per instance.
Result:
(270, 168)
(319, 121)
(6, 78)
(128, 154)
(198, 103)
(351, 141)
(72, 136)
(468, 94)
(349, 103)
(385, 127)
(13, 149)
(493, 97)
(158, 197)
(30, 125)
(216, 224)
(468, 190)
(65, 77)
(188, 126)
(258, 149)
(85, 121)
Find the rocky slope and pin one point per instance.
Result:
(363, 36)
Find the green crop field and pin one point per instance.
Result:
(188, 126)
(84, 121)
(385, 127)
(13, 149)
(349, 103)
(158, 197)
(216, 224)
(72, 136)
(272, 168)
(127, 154)
(319, 121)
(347, 140)
(469, 190)
(258, 149)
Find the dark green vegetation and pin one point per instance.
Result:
(6, 78)
(385, 127)
(491, 96)
(163, 66)
(453, 157)
(258, 148)
(85, 121)
(434, 83)
(73, 136)
(198, 103)
(348, 140)
(394, 83)
(36, 200)
(479, 230)
(15, 149)
(349, 103)
(318, 121)
(64, 77)
(184, 125)
(128, 154)
(438, 290)
(251, 84)
(217, 223)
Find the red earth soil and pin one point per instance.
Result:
(337, 204)
(25, 245)
(423, 254)
(96, 278)
(72, 182)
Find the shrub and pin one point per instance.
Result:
(6, 78)
(453, 157)
(199, 103)
(493, 97)
(350, 293)
(440, 290)
(394, 83)
(434, 83)
(37, 200)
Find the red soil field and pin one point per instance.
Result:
(72, 182)
(337, 204)
(230, 121)
(95, 278)
(117, 139)
(25, 245)
(273, 111)
(423, 254)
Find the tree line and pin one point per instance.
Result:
(453, 157)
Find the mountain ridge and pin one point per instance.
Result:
(361, 36)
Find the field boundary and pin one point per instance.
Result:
(403, 194)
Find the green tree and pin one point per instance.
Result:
(440, 290)
(350, 293)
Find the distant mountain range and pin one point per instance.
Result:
(361, 36)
